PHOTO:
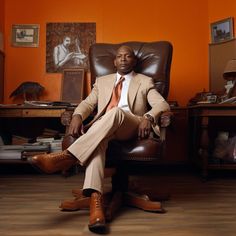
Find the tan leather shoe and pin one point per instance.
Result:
(53, 162)
(97, 222)
(75, 204)
(77, 192)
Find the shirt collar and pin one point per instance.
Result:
(127, 76)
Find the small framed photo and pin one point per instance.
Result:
(222, 30)
(72, 85)
(26, 35)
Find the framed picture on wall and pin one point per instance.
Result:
(222, 30)
(72, 85)
(26, 35)
(67, 45)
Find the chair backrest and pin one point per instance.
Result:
(153, 60)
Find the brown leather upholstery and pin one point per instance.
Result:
(154, 60)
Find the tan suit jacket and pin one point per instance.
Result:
(141, 93)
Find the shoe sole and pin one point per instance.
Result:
(31, 161)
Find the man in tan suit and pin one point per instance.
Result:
(129, 118)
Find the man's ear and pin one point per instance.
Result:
(114, 62)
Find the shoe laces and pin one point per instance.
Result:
(64, 155)
(98, 201)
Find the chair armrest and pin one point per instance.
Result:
(66, 117)
(165, 119)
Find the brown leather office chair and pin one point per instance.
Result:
(153, 60)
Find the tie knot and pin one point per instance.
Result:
(122, 78)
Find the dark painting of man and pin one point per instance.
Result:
(68, 45)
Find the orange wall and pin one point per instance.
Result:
(183, 22)
(2, 3)
(219, 10)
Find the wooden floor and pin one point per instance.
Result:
(29, 207)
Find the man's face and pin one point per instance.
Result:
(66, 42)
(125, 60)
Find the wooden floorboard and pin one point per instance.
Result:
(29, 207)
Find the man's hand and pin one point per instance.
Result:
(75, 126)
(144, 128)
(69, 56)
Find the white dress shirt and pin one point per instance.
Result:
(123, 103)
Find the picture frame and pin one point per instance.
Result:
(25, 35)
(72, 87)
(68, 38)
(222, 30)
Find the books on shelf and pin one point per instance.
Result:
(55, 144)
(17, 152)
(21, 149)
(10, 154)
(19, 140)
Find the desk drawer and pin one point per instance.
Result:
(10, 112)
(42, 112)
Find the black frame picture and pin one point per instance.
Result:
(222, 30)
(72, 87)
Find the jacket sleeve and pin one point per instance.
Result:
(156, 101)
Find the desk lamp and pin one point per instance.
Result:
(230, 75)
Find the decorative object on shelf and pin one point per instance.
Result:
(225, 147)
(229, 75)
(203, 97)
(67, 45)
(222, 30)
(26, 35)
(230, 70)
(29, 90)
(72, 85)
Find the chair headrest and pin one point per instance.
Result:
(153, 60)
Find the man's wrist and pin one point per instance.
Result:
(78, 115)
(149, 117)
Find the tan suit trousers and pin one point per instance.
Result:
(90, 148)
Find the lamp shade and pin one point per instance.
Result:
(230, 69)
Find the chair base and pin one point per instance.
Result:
(142, 202)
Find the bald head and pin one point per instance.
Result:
(127, 48)
(125, 60)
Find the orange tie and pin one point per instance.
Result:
(115, 98)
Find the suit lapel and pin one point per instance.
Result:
(133, 89)
(108, 84)
(109, 88)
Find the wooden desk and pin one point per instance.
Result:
(31, 111)
(29, 121)
(176, 148)
(222, 117)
